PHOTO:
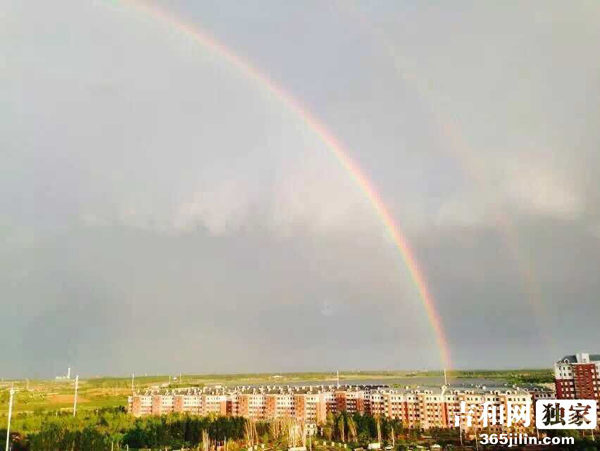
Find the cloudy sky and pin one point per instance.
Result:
(163, 210)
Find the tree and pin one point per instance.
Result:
(341, 425)
(352, 434)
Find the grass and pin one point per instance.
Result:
(53, 396)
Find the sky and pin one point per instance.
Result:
(165, 210)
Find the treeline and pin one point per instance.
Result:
(511, 376)
(185, 431)
(93, 430)
(178, 430)
(115, 429)
(542, 378)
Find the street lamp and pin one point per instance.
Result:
(10, 403)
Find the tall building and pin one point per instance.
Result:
(577, 376)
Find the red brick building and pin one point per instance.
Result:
(577, 376)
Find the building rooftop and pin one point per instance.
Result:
(293, 390)
(577, 358)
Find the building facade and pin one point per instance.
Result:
(424, 409)
(578, 377)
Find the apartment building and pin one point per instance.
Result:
(431, 408)
(310, 407)
(279, 405)
(163, 404)
(140, 405)
(439, 408)
(232, 405)
(578, 377)
(349, 400)
(311, 404)
(189, 401)
(375, 404)
(394, 404)
(252, 405)
(214, 403)
(188, 404)
(329, 399)
(495, 406)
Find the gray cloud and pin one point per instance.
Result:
(155, 197)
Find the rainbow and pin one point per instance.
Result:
(462, 152)
(336, 148)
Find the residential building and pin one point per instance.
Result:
(309, 405)
(578, 377)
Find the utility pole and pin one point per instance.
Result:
(75, 399)
(445, 377)
(10, 403)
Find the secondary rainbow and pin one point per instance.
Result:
(470, 164)
(335, 147)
